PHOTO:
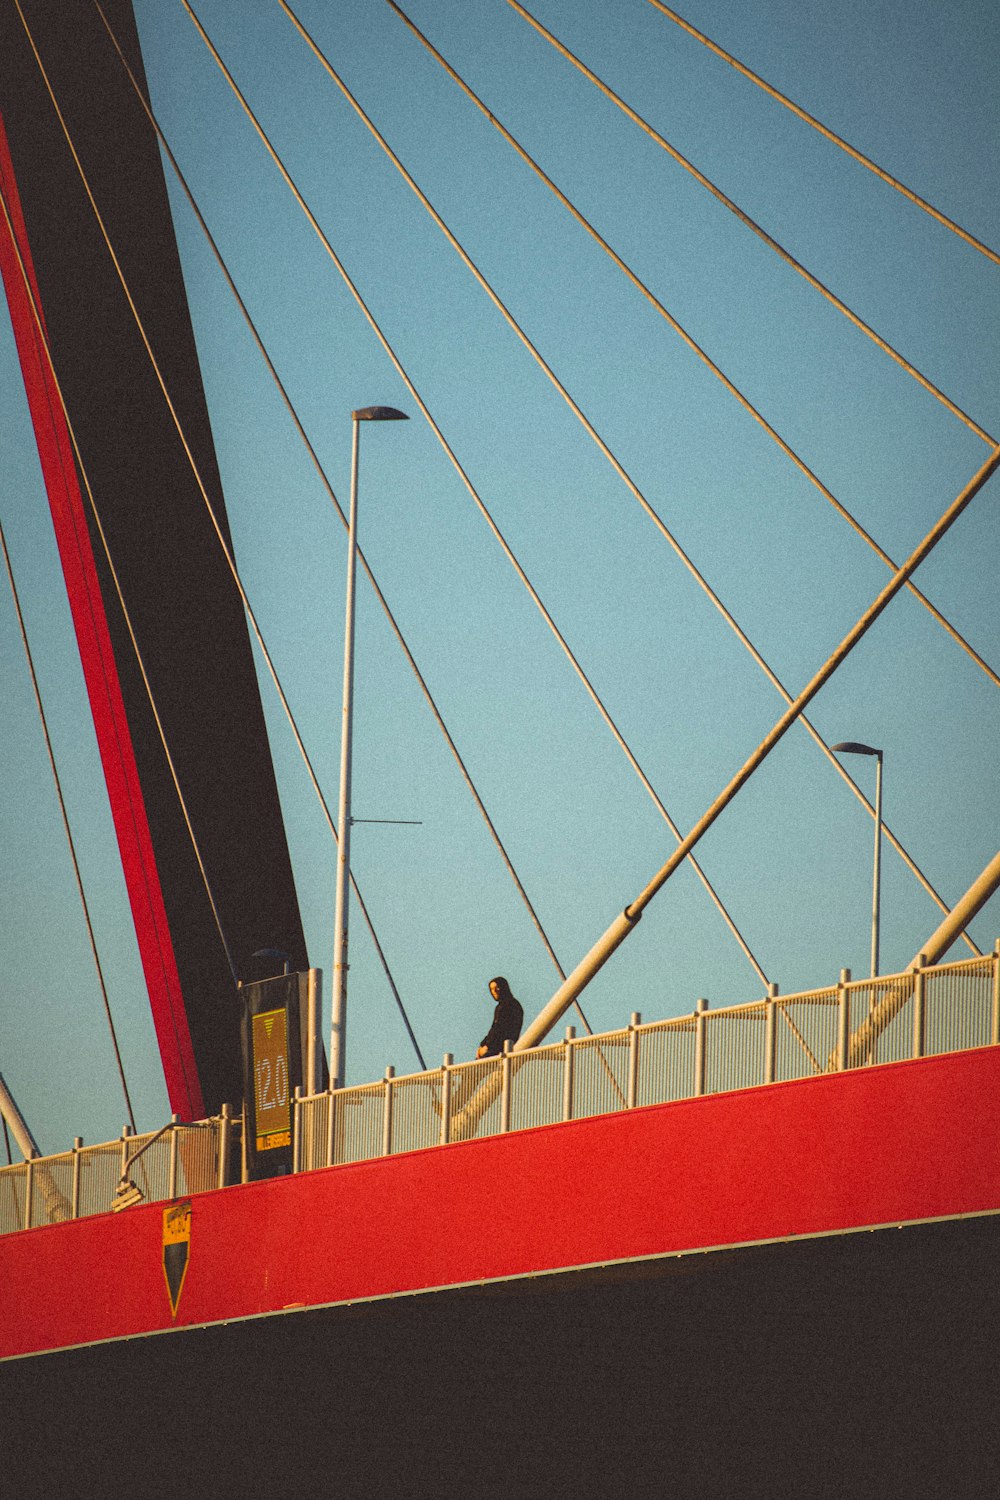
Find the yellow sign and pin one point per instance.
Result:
(176, 1249)
(272, 1114)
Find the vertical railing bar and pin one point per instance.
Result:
(329, 1125)
(505, 1066)
(843, 1020)
(449, 1058)
(225, 1123)
(632, 1091)
(28, 1188)
(297, 1129)
(75, 1203)
(172, 1171)
(770, 1032)
(390, 1073)
(567, 1106)
(995, 1022)
(701, 1006)
(919, 1003)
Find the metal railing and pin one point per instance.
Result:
(187, 1158)
(851, 1024)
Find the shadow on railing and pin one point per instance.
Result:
(947, 1008)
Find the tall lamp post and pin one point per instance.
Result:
(339, 995)
(851, 747)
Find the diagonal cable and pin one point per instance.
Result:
(484, 511)
(66, 827)
(324, 480)
(826, 132)
(222, 541)
(622, 474)
(696, 348)
(752, 224)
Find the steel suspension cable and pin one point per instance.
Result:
(752, 224)
(327, 486)
(826, 132)
(696, 348)
(215, 524)
(460, 471)
(67, 830)
(633, 488)
(626, 923)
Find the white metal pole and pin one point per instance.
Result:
(876, 891)
(338, 999)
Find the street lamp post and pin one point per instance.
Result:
(851, 747)
(339, 996)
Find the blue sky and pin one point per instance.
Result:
(911, 85)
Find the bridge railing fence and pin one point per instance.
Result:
(852, 1024)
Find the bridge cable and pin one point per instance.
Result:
(229, 558)
(325, 481)
(477, 499)
(696, 348)
(826, 132)
(68, 831)
(626, 922)
(626, 479)
(752, 224)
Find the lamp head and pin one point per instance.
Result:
(853, 747)
(379, 414)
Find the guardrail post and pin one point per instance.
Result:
(331, 1112)
(995, 1027)
(390, 1074)
(449, 1058)
(567, 1113)
(77, 1148)
(297, 1129)
(919, 1008)
(172, 1184)
(699, 1047)
(505, 1089)
(632, 1088)
(222, 1174)
(770, 1033)
(843, 1020)
(28, 1176)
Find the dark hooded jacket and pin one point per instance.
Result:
(508, 1019)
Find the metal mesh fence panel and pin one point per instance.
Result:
(805, 1034)
(52, 1189)
(666, 1061)
(600, 1074)
(536, 1085)
(197, 1159)
(881, 1020)
(151, 1171)
(13, 1184)
(958, 1006)
(416, 1111)
(475, 1099)
(358, 1118)
(314, 1117)
(734, 1048)
(100, 1171)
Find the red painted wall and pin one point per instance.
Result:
(908, 1141)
